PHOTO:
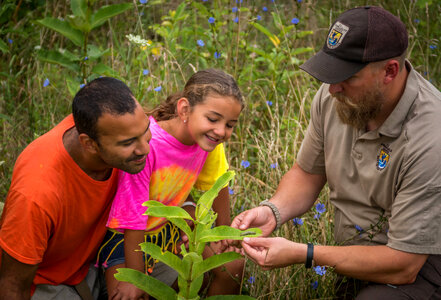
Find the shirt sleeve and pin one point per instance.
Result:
(25, 229)
(127, 209)
(311, 156)
(214, 167)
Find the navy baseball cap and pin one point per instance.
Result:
(358, 37)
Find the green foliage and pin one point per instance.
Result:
(192, 266)
(77, 28)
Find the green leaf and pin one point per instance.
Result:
(273, 38)
(202, 9)
(72, 86)
(148, 284)
(102, 69)
(106, 12)
(75, 35)
(214, 262)
(55, 57)
(167, 258)
(189, 260)
(301, 50)
(179, 11)
(93, 52)
(302, 34)
(4, 47)
(168, 212)
(78, 23)
(226, 232)
(79, 8)
(206, 200)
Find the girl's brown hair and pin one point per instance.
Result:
(200, 85)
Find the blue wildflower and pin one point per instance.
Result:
(320, 208)
(230, 191)
(145, 72)
(158, 89)
(320, 270)
(82, 85)
(234, 9)
(251, 279)
(273, 166)
(236, 20)
(86, 58)
(259, 17)
(239, 1)
(46, 82)
(242, 207)
(200, 43)
(217, 54)
(269, 103)
(299, 1)
(10, 41)
(432, 47)
(245, 163)
(317, 216)
(143, 1)
(211, 20)
(417, 21)
(297, 221)
(204, 0)
(358, 228)
(314, 285)
(295, 21)
(265, 8)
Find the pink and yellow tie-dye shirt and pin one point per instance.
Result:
(171, 170)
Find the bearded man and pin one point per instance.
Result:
(373, 137)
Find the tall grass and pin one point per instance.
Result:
(278, 94)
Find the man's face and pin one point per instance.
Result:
(359, 98)
(123, 140)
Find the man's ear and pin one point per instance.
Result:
(391, 69)
(88, 143)
(183, 109)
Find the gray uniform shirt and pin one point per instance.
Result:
(386, 181)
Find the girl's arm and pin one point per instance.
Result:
(134, 260)
(221, 206)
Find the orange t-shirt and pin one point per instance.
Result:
(54, 214)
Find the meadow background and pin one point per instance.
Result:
(261, 43)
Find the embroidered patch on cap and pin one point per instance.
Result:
(383, 157)
(336, 35)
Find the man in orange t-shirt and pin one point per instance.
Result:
(61, 190)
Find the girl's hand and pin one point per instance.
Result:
(127, 291)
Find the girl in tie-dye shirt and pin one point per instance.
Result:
(186, 150)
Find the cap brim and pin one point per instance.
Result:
(330, 69)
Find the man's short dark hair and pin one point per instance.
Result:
(102, 95)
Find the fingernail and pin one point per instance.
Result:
(246, 240)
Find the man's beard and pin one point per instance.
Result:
(357, 112)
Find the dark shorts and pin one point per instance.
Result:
(111, 252)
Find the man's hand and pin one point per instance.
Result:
(261, 217)
(270, 253)
(127, 291)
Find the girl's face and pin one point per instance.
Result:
(211, 122)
